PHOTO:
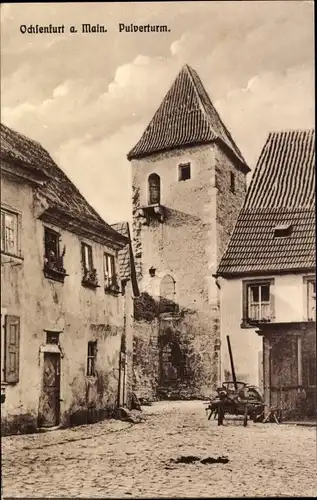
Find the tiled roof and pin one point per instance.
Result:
(124, 253)
(281, 193)
(186, 117)
(59, 191)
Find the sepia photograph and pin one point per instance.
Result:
(158, 258)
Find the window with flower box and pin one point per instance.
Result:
(111, 279)
(90, 278)
(53, 257)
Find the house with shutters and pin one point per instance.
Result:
(267, 276)
(66, 317)
(189, 183)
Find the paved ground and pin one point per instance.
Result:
(117, 459)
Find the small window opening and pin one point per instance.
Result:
(91, 358)
(232, 183)
(283, 231)
(86, 252)
(52, 337)
(52, 250)
(184, 172)
(154, 186)
(109, 270)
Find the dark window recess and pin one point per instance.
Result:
(53, 258)
(283, 231)
(154, 189)
(52, 338)
(232, 182)
(184, 172)
(89, 272)
(91, 358)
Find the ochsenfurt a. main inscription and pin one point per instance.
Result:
(87, 28)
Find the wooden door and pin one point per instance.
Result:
(50, 400)
(168, 370)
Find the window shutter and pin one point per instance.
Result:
(83, 255)
(91, 265)
(12, 349)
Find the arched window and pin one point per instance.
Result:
(154, 189)
(168, 295)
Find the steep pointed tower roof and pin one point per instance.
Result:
(186, 117)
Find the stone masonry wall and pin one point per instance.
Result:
(229, 204)
(200, 215)
(145, 359)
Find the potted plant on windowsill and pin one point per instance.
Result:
(112, 286)
(54, 266)
(90, 278)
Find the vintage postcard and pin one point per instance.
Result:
(158, 287)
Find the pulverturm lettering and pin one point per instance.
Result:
(143, 28)
(36, 29)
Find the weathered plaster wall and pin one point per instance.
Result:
(81, 314)
(188, 245)
(289, 298)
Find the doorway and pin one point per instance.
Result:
(49, 414)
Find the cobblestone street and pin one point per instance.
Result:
(118, 459)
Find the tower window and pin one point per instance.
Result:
(154, 182)
(232, 183)
(184, 172)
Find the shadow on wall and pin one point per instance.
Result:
(177, 218)
(147, 308)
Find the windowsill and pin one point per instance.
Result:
(54, 274)
(111, 290)
(91, 377)
(249, 323)
(8, 254)
(90, 284)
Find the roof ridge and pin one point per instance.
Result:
(196, 120)
(34, 141)
(51, 190)
(232, 144)
(201, 104)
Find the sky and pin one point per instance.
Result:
(87, 98)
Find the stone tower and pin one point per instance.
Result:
(189, 182)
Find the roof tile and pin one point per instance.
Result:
(59, 190)
(282, 192)
(186, 117)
